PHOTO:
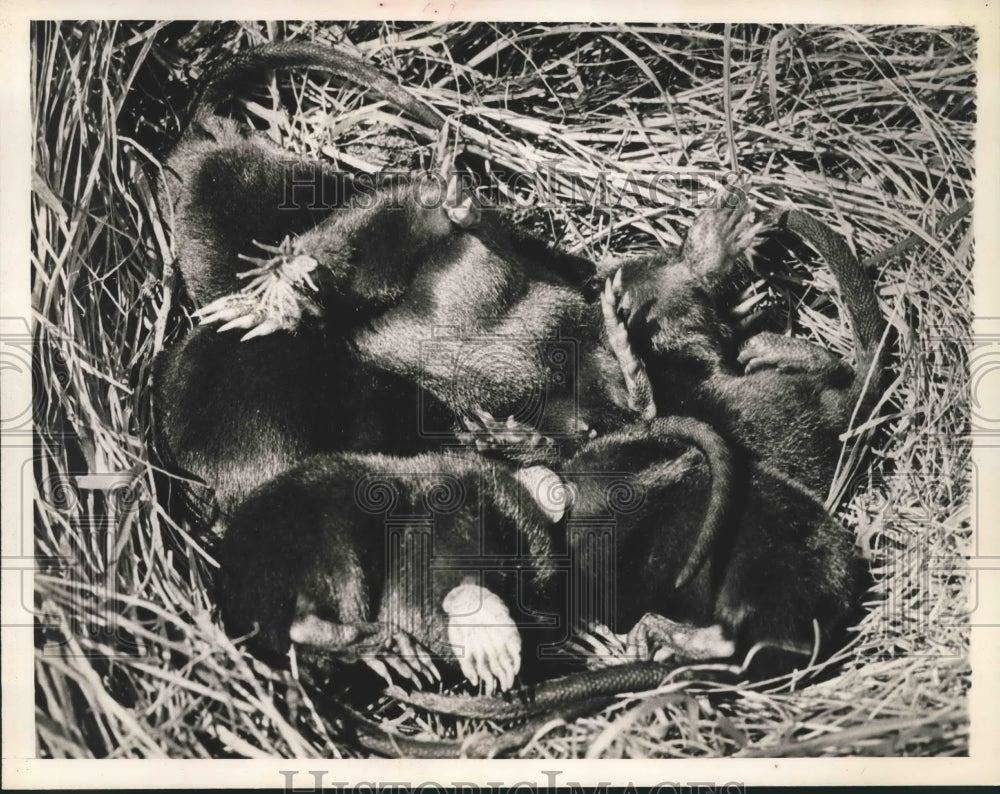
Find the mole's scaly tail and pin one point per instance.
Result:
(720, 465)
(378, 739)
(592, 687)
(856, 290)
(703, 436)
(292, 54)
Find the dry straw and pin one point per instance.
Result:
(871, 128)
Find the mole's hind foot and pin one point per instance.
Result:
(768, 350)
(274, 298)
(658, 638)
(483, 637)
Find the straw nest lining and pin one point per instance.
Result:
(871, 128)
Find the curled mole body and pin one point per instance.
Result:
(786, 400)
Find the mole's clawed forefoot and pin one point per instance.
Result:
(750, 302)
(274, 298)
(483, 637)
(657, 638)
(407, 658)
(719, 235)
(637, 384)
(489, 433)
(743, 232)
(550, 492)
(382, 651)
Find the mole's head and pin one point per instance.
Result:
(670, 312)
(670, 302)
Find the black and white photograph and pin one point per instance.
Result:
(428, 387)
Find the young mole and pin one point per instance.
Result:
(372, 557)
(405, 282)
(787, 400)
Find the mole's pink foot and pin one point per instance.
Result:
(483, 636)
(637, 384)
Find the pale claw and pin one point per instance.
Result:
(417, 656)
(401, 666)
(380, 668)
(245, 321)
(613, 302)
(267, 327)
(461, 209)
(483, 635)
(308, 280)
(746, 307)
(226, 308)
(608, 301)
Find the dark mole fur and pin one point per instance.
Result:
(376, 542)
(395, 277)
(779, 563)
(328, 504)
(786, 400)
(420, 320)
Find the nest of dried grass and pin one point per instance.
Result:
(871, 128)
